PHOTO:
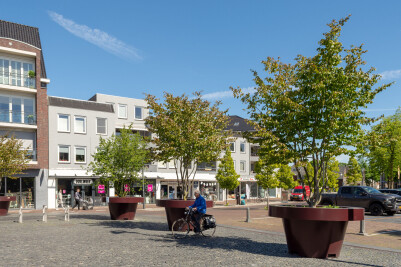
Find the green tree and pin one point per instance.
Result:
(312, 110)
(333, 172)
(13, 157)
(226, 175)
(187, 130)
(354, 174)
(119, 159)
(265, 177)
(286, 177)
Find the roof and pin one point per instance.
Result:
(79, 104)
(23, 33)
(238, 124)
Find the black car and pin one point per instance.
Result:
(391, 191)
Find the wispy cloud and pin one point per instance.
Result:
(391, 74)
(97, 37)
(225, 94)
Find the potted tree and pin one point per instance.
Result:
(118, 161)
(309, 112)
(188, 131)
(13, 160)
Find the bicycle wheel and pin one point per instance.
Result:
(206, 232)
(180, 228)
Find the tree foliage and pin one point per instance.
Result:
(13, 157)
(311, 110)
(286, 177)
(226, 175)
(354, 174)
(119, 159)
(188, 131)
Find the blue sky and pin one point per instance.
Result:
(129, 48)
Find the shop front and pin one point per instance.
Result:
(23, 188)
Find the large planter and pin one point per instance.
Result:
(175, 208)
(315, 232)
(123, 208)
(5, 204)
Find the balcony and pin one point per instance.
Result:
(210, 166)
(9, 116)
(17, 79)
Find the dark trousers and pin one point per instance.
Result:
(195, 217)
(77, 203)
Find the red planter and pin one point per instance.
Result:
(5, 204)
(175, 208)
(123, 208)
(315, 232)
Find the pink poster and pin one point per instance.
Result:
(100, 189)
(126, 188)
(150, 187)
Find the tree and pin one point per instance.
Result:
(187, 130)
(354, 174)
(384, 145)
(311, 110)
(333, 172)
(13, 157)
(226, 175)
(119, 159)
(265, 177)
(286, 177)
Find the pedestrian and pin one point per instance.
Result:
(60, 199)
(77, 199)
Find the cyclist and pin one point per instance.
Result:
(199, 209)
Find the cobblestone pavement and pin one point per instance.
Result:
(91, 239)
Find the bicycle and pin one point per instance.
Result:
(181, 227)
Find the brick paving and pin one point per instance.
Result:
(91, 239)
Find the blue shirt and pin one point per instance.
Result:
(200, 205)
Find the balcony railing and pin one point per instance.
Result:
(17, 117)
(17, 79)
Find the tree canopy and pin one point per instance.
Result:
(226, 175)
(311, 111)
(119, 159)
(354, 174)
(187, 130)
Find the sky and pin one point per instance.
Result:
(133, 48)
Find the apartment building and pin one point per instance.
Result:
(23, 110)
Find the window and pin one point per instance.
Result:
(80, 124)
(242, 166)
(232, 147)
(80, 154)
(101, 126)
(346, 190)
(206, 166)
(161, 165)
(16, 73)
(122, 111)
(63, 123)
(138, 113)
(234, 164)
(4, 109)
(64, 154)
(171, 164)
(242, 147)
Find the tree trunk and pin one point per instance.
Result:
(268, 200)
(226, 197)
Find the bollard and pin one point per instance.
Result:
(44, 213)
(67, 214)
(362, 228)
(248, 215)
(20, 215)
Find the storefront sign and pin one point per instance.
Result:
(83, 181)
(150, 188)
(246, 179)
(100, 189)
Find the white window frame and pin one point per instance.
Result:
(234, 164)
(68, 123)
(69, 154)
(106, 126)
(141, 119)
(171, 164)
(242, 143)
(75, 125)
(242, 161)
(75, 155)
(126, 111)
(232, 151)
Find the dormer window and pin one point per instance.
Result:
(236, 123)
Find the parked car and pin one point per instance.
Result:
(298, 193)
(366, 197)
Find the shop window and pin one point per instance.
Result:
(80, 154)
(101, 125)
(80, 124)
(64, 154)
(63, 123)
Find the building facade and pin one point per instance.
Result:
(23, 110)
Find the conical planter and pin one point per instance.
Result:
(315, 232)
(123, 208)
(5, 204)
(175, 208)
